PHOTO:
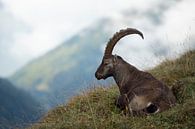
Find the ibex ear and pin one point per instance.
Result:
(115, 59)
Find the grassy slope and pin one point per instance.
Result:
(95, 108)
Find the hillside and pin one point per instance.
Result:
(17, 108)
(95, 108)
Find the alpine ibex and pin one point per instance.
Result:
(140, 92)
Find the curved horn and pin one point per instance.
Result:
(117, 36)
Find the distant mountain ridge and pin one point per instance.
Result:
(17, 108)
(64, 71)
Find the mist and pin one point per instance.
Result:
(29, 29)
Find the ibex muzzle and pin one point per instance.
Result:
(142, 91)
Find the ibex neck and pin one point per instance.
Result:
(123, 74)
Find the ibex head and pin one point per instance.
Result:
(106, 68)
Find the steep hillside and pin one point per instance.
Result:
(95, 108)
(17, 108)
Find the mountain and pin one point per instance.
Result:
(64, 71)
(17, 108)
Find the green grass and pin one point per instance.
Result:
(95, 109)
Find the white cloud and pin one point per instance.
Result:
(179, 23)
(172, 36)
(50, 22)
(9, 26)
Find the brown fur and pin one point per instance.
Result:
(138, 90)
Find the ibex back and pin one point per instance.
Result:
(140, 92)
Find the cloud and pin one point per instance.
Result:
(179, 25)
(168, 27)
(30, 28)
(47, 23)
(9, 28)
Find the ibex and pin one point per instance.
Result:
(140, 92)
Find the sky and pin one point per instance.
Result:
(30, 28)
(169, 31)
(34, 27)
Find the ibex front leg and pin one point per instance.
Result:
(122, 102)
